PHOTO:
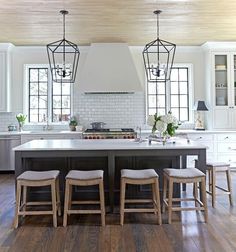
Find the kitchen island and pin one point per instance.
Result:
(108, 155)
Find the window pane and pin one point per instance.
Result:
(151, 88)
(56, 115)
(34, 75)
(66, 102)
(43, 88)
(174, 101)
(174, 87)
(33, 117)
(56, 88)
(161, 88)
(183, 87)
(161, 111)
(161, 101)
(151, 111)
(34, 102)
(183, 74)
(33, 89)
(43, 102)
(43, 75)
(65, 115)
(174, 74)
(56, 101)
(183, 114)
(66, 87)
(42, 115)
(183, 101)
(152, 101)
(175, 112)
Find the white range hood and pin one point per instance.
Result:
(109, 68)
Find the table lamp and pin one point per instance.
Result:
(199, 119)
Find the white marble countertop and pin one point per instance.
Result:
(105, 144)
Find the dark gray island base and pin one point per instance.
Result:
(108, 155)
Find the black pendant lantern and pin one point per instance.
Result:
(158, 56)
(63, 56)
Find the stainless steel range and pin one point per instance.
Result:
(126, 133)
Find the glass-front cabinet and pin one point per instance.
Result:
(224, 86)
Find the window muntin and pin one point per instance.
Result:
(174, 96)
(47, 101)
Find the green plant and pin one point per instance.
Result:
(21, 118)
(73, 121)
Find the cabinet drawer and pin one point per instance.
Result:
(226, 147)
(226, 137)
(228, 159)
(201, 137)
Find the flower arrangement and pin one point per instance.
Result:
(21, 120)
(73, 123)
(165, 124)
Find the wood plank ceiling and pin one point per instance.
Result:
(184, 22)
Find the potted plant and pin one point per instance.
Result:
(73, 123)
(21, 120)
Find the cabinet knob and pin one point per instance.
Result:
(226, 137)
(229, 148)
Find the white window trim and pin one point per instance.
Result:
(26, 95)
(191, 92)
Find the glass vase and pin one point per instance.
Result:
(20, 126)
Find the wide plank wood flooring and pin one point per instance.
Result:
(140, 232)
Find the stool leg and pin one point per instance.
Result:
(54, 203)
(210, 181)
(229, 186)
(158, 202)
(213, 179)
(66, 204)
(70, 197)
(154, 198)
(102, 202)
(170, 194)
(204, 199)
(164, 194)
(18, 199)
(122, 201)
(58, 197)
(24, 198)
(195, 193)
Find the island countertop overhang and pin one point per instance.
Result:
(105, 144)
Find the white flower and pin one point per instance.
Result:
(161, 126)
(150, 120)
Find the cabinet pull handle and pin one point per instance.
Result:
(229, 148)
(226, 137)
(199, 138)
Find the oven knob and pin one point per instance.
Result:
(132, 136)
(85, 137)
(124, 137)
(128, 137)
(98, 137)
(90, 137)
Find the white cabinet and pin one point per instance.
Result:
(5, 76)
(221, 85)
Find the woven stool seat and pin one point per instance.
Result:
(139, 174)
(85, 175)
(38, 175)
(217, 164)
(184, 173)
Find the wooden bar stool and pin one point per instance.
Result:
(37, 179)
(140, 177)
(212, 169)
(84, 178)
(189, 175)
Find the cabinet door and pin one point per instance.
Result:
(222, 118)
(221, 79)
(3, 82)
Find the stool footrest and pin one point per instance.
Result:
(138, 201)
(84, 202)
(83, 211)
(35, 212)
(139, 210)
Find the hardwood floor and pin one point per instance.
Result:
(140, 232)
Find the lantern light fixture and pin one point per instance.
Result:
(158, 56)
(63, 56)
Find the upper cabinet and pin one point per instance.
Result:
(221, 85)
(5, 76)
